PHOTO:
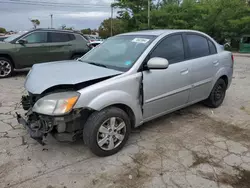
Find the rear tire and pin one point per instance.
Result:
(217, 94)
(6, 67)
(98, 133)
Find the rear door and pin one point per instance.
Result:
(204, 63)
(36, 50)
(60, 45)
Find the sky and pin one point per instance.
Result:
(16, 14)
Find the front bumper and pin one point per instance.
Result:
(35, 134)
(64, 128)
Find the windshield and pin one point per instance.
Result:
(12, 37)
(120, 52)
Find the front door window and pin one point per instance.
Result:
(37, 37)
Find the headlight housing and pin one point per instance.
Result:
(56, 103)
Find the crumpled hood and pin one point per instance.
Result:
(46, 75)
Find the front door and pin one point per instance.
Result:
(168, 89)
(36, 50)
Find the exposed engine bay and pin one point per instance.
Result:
(63, 128)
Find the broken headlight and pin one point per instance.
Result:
(56, 103)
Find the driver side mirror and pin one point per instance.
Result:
(22, 41)
(157, 63)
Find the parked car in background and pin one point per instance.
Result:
(38, 46)
(92, 38)
(3, 37)
(95, 43)
(89, 38)
(128, 80)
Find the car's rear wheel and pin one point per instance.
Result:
(6, 67)
(217, 94)
(107, 131)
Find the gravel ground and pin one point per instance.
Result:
(196, 147)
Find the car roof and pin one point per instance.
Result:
(56, 30)
(158, 32)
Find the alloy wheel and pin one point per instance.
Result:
(111, 133)
(219, 92)
(5, 68)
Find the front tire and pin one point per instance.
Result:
(6, 67)
(107, 131)
(217, 94)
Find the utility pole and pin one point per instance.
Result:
(51, 20)
(111, 20)
(149, 2)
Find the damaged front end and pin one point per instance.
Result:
(55, 116)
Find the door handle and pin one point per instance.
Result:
(184, 71)
(216, 62)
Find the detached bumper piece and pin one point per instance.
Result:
(36, 134)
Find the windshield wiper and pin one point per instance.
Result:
(92, 63)
(98, 64)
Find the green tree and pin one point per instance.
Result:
(2, 30)
(105, 27)
(64, 27)
(222, 19)
(87, 31)
(35, 23)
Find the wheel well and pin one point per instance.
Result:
(129, 111)
(8, 57)
(225, 78)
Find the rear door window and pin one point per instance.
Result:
(59, 37)
(198, 46)
(170, 48)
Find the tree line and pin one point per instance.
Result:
(222, 19)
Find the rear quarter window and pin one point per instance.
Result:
(212, 47)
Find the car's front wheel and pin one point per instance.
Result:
(217, 94)
(107, 131)
(6, 67)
